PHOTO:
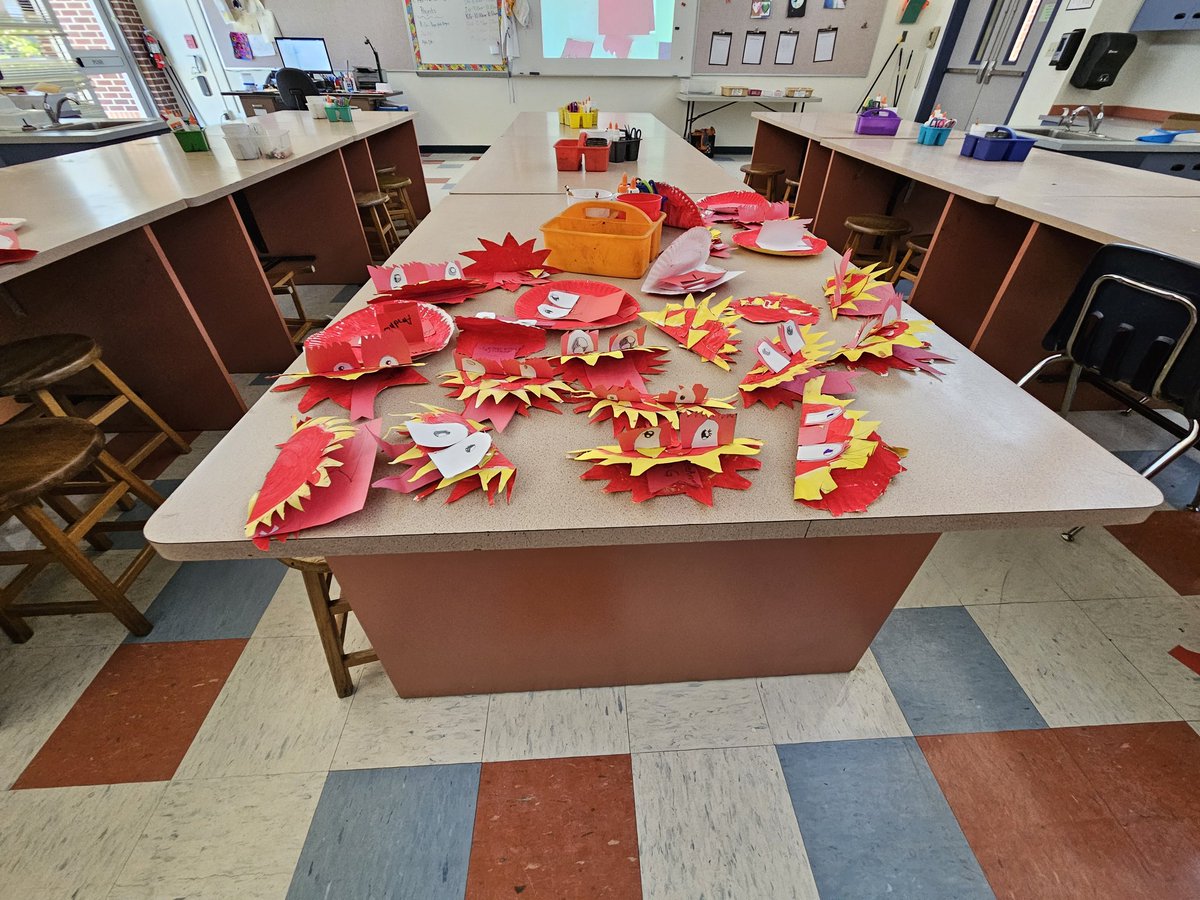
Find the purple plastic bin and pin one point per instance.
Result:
(877, 121)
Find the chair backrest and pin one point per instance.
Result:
(294, 85)
(1133, 318)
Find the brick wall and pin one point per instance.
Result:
(114, 91)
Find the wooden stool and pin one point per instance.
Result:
(914, 254)
(37, 460)
(283, 284)
(886, 230)
(791, 191)
(36, 367)
(767, 173)
(399, 204)
(377, 221)
(332, 617)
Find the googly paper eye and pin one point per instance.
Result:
(648, 438)
(437, 434)
(396, 279)
(771, 357)
(550, 311)
(791, 337)
(706, 435)
(527, 370)
(453, 270)
(343, 367)
(821, 416)
(819, 452)
(388, 361)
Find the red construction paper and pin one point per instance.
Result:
(495, 390)
(486, 337)
(592, 308)
(354, 395)
(527, 305)
(509, 264)
(746, 207)
(16, 255)
(337, 473)
(442, 283)
(641, 488)
(775, 307)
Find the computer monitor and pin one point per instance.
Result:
(307, 53)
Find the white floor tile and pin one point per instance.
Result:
(696, 715)
(1096, 566)
(384, 729)
(289, 614)
(38, 686)
(994, 567)
(1114, 431)
(217, 887)
(929, 587)
(544, 724)
(840, 707)
(277, 713)
(70, 842)
(246, 828)
(1145, 631)
(718, 824)
(1070, 671)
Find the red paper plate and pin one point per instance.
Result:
(527, 304)
(436, 327)
(749, 240)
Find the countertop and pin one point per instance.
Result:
(983, 453)
(829, 124)
(79, 200)
(55, 135)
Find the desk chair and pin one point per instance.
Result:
(1129, 329)
(294, 85)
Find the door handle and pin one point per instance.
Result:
(993, 36)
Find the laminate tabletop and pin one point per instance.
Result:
(1043, 173)
(982, 452)
(522, 161)
(1169, 224)
(82, 199)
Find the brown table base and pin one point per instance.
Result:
(528, 620)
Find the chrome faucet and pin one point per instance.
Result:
(1067, 119)
(56, 113)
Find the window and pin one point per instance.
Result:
(1018, 42)
(39, 40)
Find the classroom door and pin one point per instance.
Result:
(994, 50)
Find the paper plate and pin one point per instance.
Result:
(437, 327)
(749, 241)
(527, 304)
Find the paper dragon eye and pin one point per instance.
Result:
(342, 367)
(453, 270)
(388, 361)
(820, 417)
(818, 452)
(648, 438)
(528, 371)
(706, 435)
(684, 395)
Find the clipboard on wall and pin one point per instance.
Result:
(718, 48)
(785, 49)
(825, 45)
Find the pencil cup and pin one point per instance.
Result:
(344, 113)
(331, 113)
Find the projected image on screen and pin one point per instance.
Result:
(608, 29)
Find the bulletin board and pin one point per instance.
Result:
(844, 51)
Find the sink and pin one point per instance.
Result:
(94, 124)
(1062, 134)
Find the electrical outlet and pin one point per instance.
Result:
(934, 34)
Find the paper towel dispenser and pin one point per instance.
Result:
(1102, 59)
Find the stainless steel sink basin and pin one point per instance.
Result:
(1063, 134)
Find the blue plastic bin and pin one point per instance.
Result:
(1006, 149)
(935, 137)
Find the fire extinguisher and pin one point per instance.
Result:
(154, 48)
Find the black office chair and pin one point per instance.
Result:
(1130, 325)
(294, 85)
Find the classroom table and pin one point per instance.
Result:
(690, 99)
(155, 252)
(994, 225)
(522, 161)
(569, 586)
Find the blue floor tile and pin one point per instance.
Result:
(133, 540)
(946, 676)
(206, 601)
(449, 187)
(1178, 481)
(451, 166)
(404, 834)
(875, 822)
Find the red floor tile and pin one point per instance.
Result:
(1167, 543)
(553, 828)
(1141, 771)
(137, 718)
(1103, 812)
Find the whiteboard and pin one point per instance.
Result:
(532, 59)
(455, 35)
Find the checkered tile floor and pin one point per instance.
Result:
(1018, 729)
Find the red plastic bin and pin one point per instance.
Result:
(569, 154)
